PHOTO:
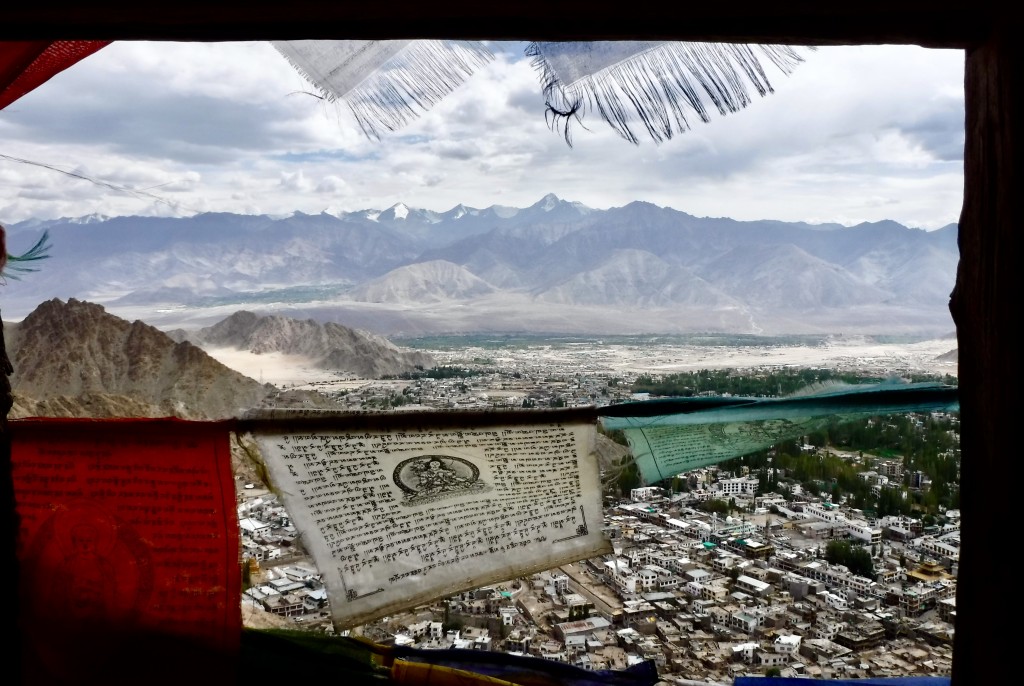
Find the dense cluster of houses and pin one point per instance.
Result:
(712, 598)
(702, 595)
(282, 580)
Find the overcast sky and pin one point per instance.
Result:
(853, 134)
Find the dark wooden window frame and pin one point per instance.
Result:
(984, 298)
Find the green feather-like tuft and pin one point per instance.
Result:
(39, 251)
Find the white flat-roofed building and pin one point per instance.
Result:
(744, 651)
(418, 629)
(691, 530)
(508, 615)
(745, 621)
(698, 575)
(253, 527)
(560, 582)
(680, 565)
(767, 658)
(581, 627)
(788, 644)
(824, 511)
(753, 586)
(745, 485)
(645, 493)
(863, 531)
(838, 575)
(938, 548)
(836, 602)
(648, 578)
(725, 561)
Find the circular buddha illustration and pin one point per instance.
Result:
(436, 477)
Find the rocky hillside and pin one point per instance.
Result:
(73, 359)
(327, 346)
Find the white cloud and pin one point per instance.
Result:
(854, 134)
(295, 182)
(332, 184)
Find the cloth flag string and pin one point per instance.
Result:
(648, 85)
(671, 436)
(396, 509)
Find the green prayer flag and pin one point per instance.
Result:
(674, 435)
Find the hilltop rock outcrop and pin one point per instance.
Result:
(327, 346)
(73, 359)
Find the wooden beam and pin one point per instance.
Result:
(984, 302)
(985, 306)
(951, 24)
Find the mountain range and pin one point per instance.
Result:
(554, 267)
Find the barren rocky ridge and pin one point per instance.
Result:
(74, 359)
(329, 346)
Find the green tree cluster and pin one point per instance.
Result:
(855, 558)
(629, 476)
(767, 383)
(714, 505)
(444, 372)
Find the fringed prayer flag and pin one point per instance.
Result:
(400, 509)
(675, 435)
(386, 83)
(656, 84)
(653, 85)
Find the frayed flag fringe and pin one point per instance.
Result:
(658, 86)
(403, 80)
(415, 80)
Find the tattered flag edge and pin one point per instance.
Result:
(385, 84)
(655, 85)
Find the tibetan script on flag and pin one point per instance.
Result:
(401, 509)
(128, 540)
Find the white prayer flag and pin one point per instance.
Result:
(398, 510)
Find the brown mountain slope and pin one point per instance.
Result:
(327, 346)
(75, 359)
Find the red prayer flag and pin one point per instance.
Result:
(128, 548)
(26, 65)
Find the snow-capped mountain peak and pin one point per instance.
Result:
(399, 211)
(548, 202)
